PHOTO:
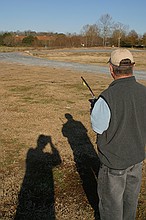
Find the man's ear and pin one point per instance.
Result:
(111, 71)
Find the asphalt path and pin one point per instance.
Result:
(22, 58)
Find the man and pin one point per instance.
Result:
(119, 119)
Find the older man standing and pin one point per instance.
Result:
(119, 119)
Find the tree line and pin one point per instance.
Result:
(105, 32)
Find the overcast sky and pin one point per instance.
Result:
(69, 16)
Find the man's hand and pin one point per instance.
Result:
(92, 102)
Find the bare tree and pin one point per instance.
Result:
(119, 31)
(91, 33)
(106, 25)
(84, 32)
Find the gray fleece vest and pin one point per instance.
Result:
(123, 143)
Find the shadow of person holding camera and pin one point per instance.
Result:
(36, 197)
(85, 157)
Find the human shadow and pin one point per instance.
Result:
(36, 196)
(85, 157)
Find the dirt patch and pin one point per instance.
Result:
(41, 100)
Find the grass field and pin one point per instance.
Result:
(37, 106)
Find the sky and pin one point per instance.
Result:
(69, 16)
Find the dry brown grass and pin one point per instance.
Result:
(99, 58)
(34, 101)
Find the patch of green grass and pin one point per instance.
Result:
(59, 177)
(10, 151)
(77, 87)
(84, 112)
(20, 89)
(39, 100)
(70, 102)
(67, 179)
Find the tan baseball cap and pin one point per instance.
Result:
(120, 54)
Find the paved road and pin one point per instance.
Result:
(21, 58)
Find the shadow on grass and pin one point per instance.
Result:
(36, 197)
(85, 157)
